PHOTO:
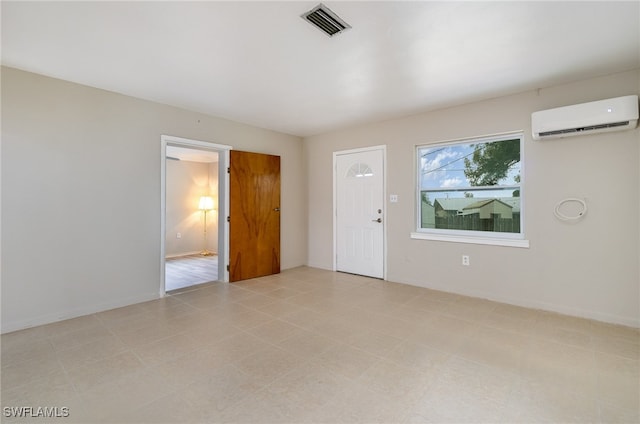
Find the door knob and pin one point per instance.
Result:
(377, 220)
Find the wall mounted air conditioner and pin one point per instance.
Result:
(620, 113)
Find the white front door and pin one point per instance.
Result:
(359, 178)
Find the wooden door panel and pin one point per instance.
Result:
(254, 226)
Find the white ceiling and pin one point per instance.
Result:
(259, 63)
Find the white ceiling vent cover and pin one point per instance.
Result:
(619, 113)
(324, 19)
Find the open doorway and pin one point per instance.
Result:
(191, 237)
(194, 193)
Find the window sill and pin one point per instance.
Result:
(472, 240)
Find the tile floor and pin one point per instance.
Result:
(310, 345)
(186, 271)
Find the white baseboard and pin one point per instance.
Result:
(319, 266)
(534, 304)
(177, 255)
(8, 327)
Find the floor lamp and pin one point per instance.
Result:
(206, 205)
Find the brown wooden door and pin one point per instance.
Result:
(254, 212)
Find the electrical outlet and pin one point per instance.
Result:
(179, 235)
(465, 260)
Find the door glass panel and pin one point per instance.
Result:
(359, 170)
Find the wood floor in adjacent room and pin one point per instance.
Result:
(310, 345)
(190, 270)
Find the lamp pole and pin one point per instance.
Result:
(205, 252)
(206, 205)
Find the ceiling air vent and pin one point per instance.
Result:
(327, 21)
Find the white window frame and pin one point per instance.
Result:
(468, 236)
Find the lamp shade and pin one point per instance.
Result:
(206, 203)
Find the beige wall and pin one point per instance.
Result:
(95, 244)
(586, 269)
(185, 183)
(81, 195)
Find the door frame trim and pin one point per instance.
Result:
(223, 202)
(383, 148)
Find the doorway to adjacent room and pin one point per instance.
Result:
(194, 193)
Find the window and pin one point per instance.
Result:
(359, 170)
(471, 189)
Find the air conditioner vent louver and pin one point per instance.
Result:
(325, 20)
(589, 128)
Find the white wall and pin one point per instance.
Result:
(185, 183)
(81, 195)
(588, 269)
